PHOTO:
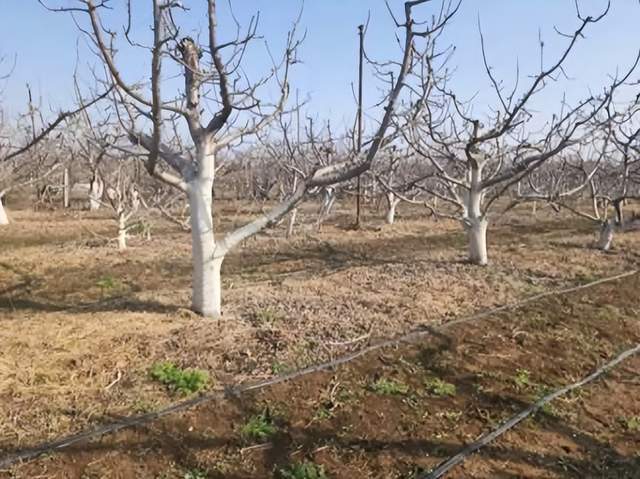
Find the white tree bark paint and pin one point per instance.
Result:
(475, 221)
(122, 232)
(96, 189)
(392, 203)
(477, 235)
(4, 219)
(207, 256)
(65, 188)
(605, 239)
(292, 222)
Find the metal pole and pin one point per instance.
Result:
(359, 138)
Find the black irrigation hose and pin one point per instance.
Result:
(65, 442)
(486, 438)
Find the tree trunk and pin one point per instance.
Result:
(477, 234)
(4, 219)
(206, 256)
(65, 188)
(392, 202)
(96, 188)
(475, 221)
(618, 206)
(606, 235)
(122, 233)
(292, 222)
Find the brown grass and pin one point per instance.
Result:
(65, 338)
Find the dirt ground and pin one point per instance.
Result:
(81, 325)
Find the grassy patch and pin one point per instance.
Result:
(195, 474)
(547, 407)
(451, 416)
(184, 381)
(108, 284)
(438, 387)
(522, 379)
(278, 367)
(259, 428)
(266, 316)
(631, 424)
(389, 387)
(303, 470)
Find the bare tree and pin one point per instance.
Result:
(30, 161)
(600, 176)
(479, 160)
(213, 80)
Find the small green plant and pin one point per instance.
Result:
(438, 387)
(259, 427)
(323, 413)
(303, 470)
(266, 316)
(278, 367)
(195, 474)
(107, 283)
(522, 378)
(547, 408)
(631, 423)
(389, 387)
(141, 406)
(451, 416)
(184, 381)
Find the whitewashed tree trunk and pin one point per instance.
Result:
(392, 203)
(477, 235)
(475, 221)
(65, 188)
(122, 232)
(4, 219)
(605, 239)
(207, 255)
(96, 189)
(292, 222)
(328, 199)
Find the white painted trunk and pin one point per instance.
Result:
(606, 236)
(65, 188)
(207, 260)
(392, 203)
(475, 221)
(477, 234)
(4, 219)
(292, 222)
(96, 188)
(122, 233)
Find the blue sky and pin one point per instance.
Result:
(45, 45)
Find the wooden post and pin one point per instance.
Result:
(65, 187)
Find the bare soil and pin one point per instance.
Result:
(81, 325)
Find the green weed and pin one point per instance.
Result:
(303, 470)
(438, 387)
(259, 428)
(184, 381)
(389, 387)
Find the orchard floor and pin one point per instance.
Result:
(82, 324)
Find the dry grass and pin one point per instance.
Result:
(75, 351)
